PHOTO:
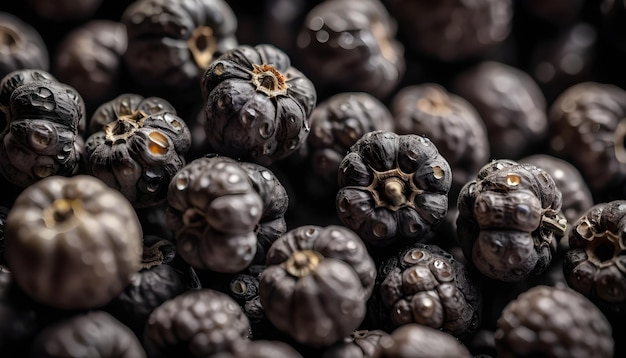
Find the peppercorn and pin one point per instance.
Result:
(21, 46)
(260, 349)
(419, 341)
(393, 188)
(359, 344)
(257, 104)
(553, 322)
(510, 220)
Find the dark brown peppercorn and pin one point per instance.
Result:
(418, 341)
(359, 344)
(197, 323)
(351, 46)
(21, 46)
(553, 322)
(258, 105)
(72, 243)
(136, 145)
(510, 220)
(93, 334)
(316, 283)
(393, 188)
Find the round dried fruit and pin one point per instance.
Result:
(595, 264)
(393, 188)
(553, 322)
(214, 212)
(72, 243)
(359, 344)
(22, 46)
(316, 283)
(92, 334)
(136, 145)
(510, 220)
(424, 284)
(418, 341)
(198, 323)
(258, 105)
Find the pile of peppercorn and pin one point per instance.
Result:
(312, 178)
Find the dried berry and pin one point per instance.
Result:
(510, 220)
(72, 243)
(136, 145)
(393, 188)
(553, 322)
(359, 344)
(258, 105)
(453, 30)
(351, 46)
(588, 129)
(21, 46)
(171, 43)
(92, 334)
(316, 283)
(424, 284)
(595, 262)
(197, 323)
(418, 341)
(40, 132)
(214, 211)
(511, 105)
(450, 122)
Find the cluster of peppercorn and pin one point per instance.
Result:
(312, 178)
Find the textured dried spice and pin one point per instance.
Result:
(136, 145)
(595, 264)
(257, 104)
(510, 220)
(73, 243)
(393, 188)
(316, 283)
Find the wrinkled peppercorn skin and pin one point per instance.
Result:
(136, 145)
(320, 304)
(510, 220)
(213, 210)
(594, 263)
(23, 46)
(424, 284)
(72, 243)
(43, 121)
(163, 53)
(393, 188)
(351, 46)
(261, 122)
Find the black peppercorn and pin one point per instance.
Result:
(260, 349)
(316, 283)
(510, 220)
(553, 322)
(393, 188)
(258, 105)
(21, 46)
(419, 341)
(351, 46)
(359, 344)
(136, 145)
(94, 334)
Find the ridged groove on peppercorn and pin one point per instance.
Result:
(43, 120)
(450, 122)
(510, 220)
(511, 105)
(23, 47)
(95, 333)
(196, 323)
(214, 210)
(136, 146)
(257, 104)
(588, 128)
(393, 188)
(337, 123)
(72, 243)
(351, 46)
(359, 344)
(595, 263)
(171, 43)
(419, 341)
(316, 283)
(424, 284)
(453, 30)
(553, 322)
